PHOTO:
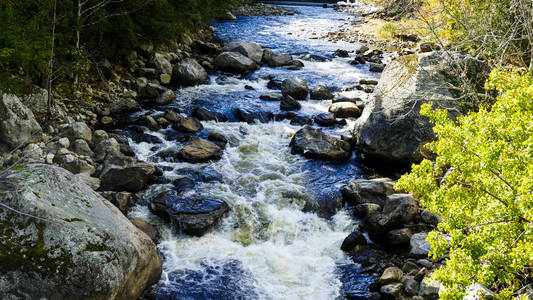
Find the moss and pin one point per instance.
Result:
(95, 247)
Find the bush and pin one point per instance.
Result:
(482, 185)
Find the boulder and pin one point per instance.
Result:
(295, 87)
(161, 63)
(189, 72)
(270, 97)
(78, 245)
(130, 178)
(92, 182)
(275, 60)
(391, 126)
(74, 164)
(165, 98)
(375, 191)
(325, 119)
(410, 285)
(152, 90)
(235, 62)
(81, 147)
(399, 237)
(78, 130)
(200, 150)
(124, 105)
(207, 115)
(289, 103)
(189, 125)
(391, 275)
(375, 67)
(355, 238)
(189, 215)
(399, 209)
(106, 148)
(341, 53)
(314, 143)
(345, 110)
(17, 122)
(419, 246)
(320, 92)
(146, 227)
(251, 50)
(36, 101)
(251, 116)
(392, 291)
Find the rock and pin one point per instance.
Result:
(165, 98)
(421, 274)
(325, 119)
(165, 79)
(374, 67)
(351, 241)
(192, 216)
(81, 147)
(74, 164)
(289, 103)
(106, 148)
(189, 72)
(162, 65)
(274, 84)
(375, 191)
(207, 115)
(275, 60)
(251, 50)
(124, 105)
(314, 143)
(429, 289)
(295, 87)
(391, 275)
(392, 291)
(399, 237)
(150, 230)
(345, 110)
(36, 101)
(92, 182)
(425, 263)
(428, 47)
(17, 123)
(78, 130)
(478, 292)
(391, 126)
(189, 125)
(419, 246)
(410, 285)
(248, 116)
(217, 137)
(172, 116)
(341, 53)
(270, 97)
(152, 90)
(430, 218)
(119, 199)
(399, 209)
(151, 123)
(164, 123)
(368, 81)
(89, 238)
(227, 16)
(301, 120)
(321, 93)
(200, 150)
(365, 209)
(410, 268)
(32, 153)
(131, 178)
(235, 62)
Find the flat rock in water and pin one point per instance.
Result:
(314, 143)
(189, 125)
(345, 110)
(270, 97)
(200, 150)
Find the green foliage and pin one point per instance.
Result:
(482, 185)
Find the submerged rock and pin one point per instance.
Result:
(314, 143)
(189, 215)
(78, 245)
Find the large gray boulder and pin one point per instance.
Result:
(235, 62)
(376, 191)
(295, 87)
(189, 72)
(391, 126)
(314, 143)
(251, 50)
(64, 241)
(17, 122)
(36, 101)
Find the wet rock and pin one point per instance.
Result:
(289, 103)
(320, 92)
(147, 228)
(295, 87)
(391, 275)
(273, 59)
(189, 72)
(345, 110)
(152, 90)
(355, 238)
(270, 97)
(78, 130)
(375, 191)
(188, 125)
(130, 178)
(274, 84)
(368, 81)
(172, 116)
(248, 49)
(89, 239)
(365, 209)
(410, 286)
(313, 57)
(191, 216)
(249, 116)
(399, 237)
(325, 119)
(165, 98)
(218, 137)
(200, 150)
(301, 120)
(399, 209)
(419, 246)
(392, 291)
(164, 123)
(391, 126)
(375, 67)
(314, 143)
(341, 53)
(235, 62)
(151, 123)
(207, 115)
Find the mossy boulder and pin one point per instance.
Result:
(61, 240)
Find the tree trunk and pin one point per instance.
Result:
(51, 65)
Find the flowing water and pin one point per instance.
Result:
(276, 242)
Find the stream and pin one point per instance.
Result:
(282, 236)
